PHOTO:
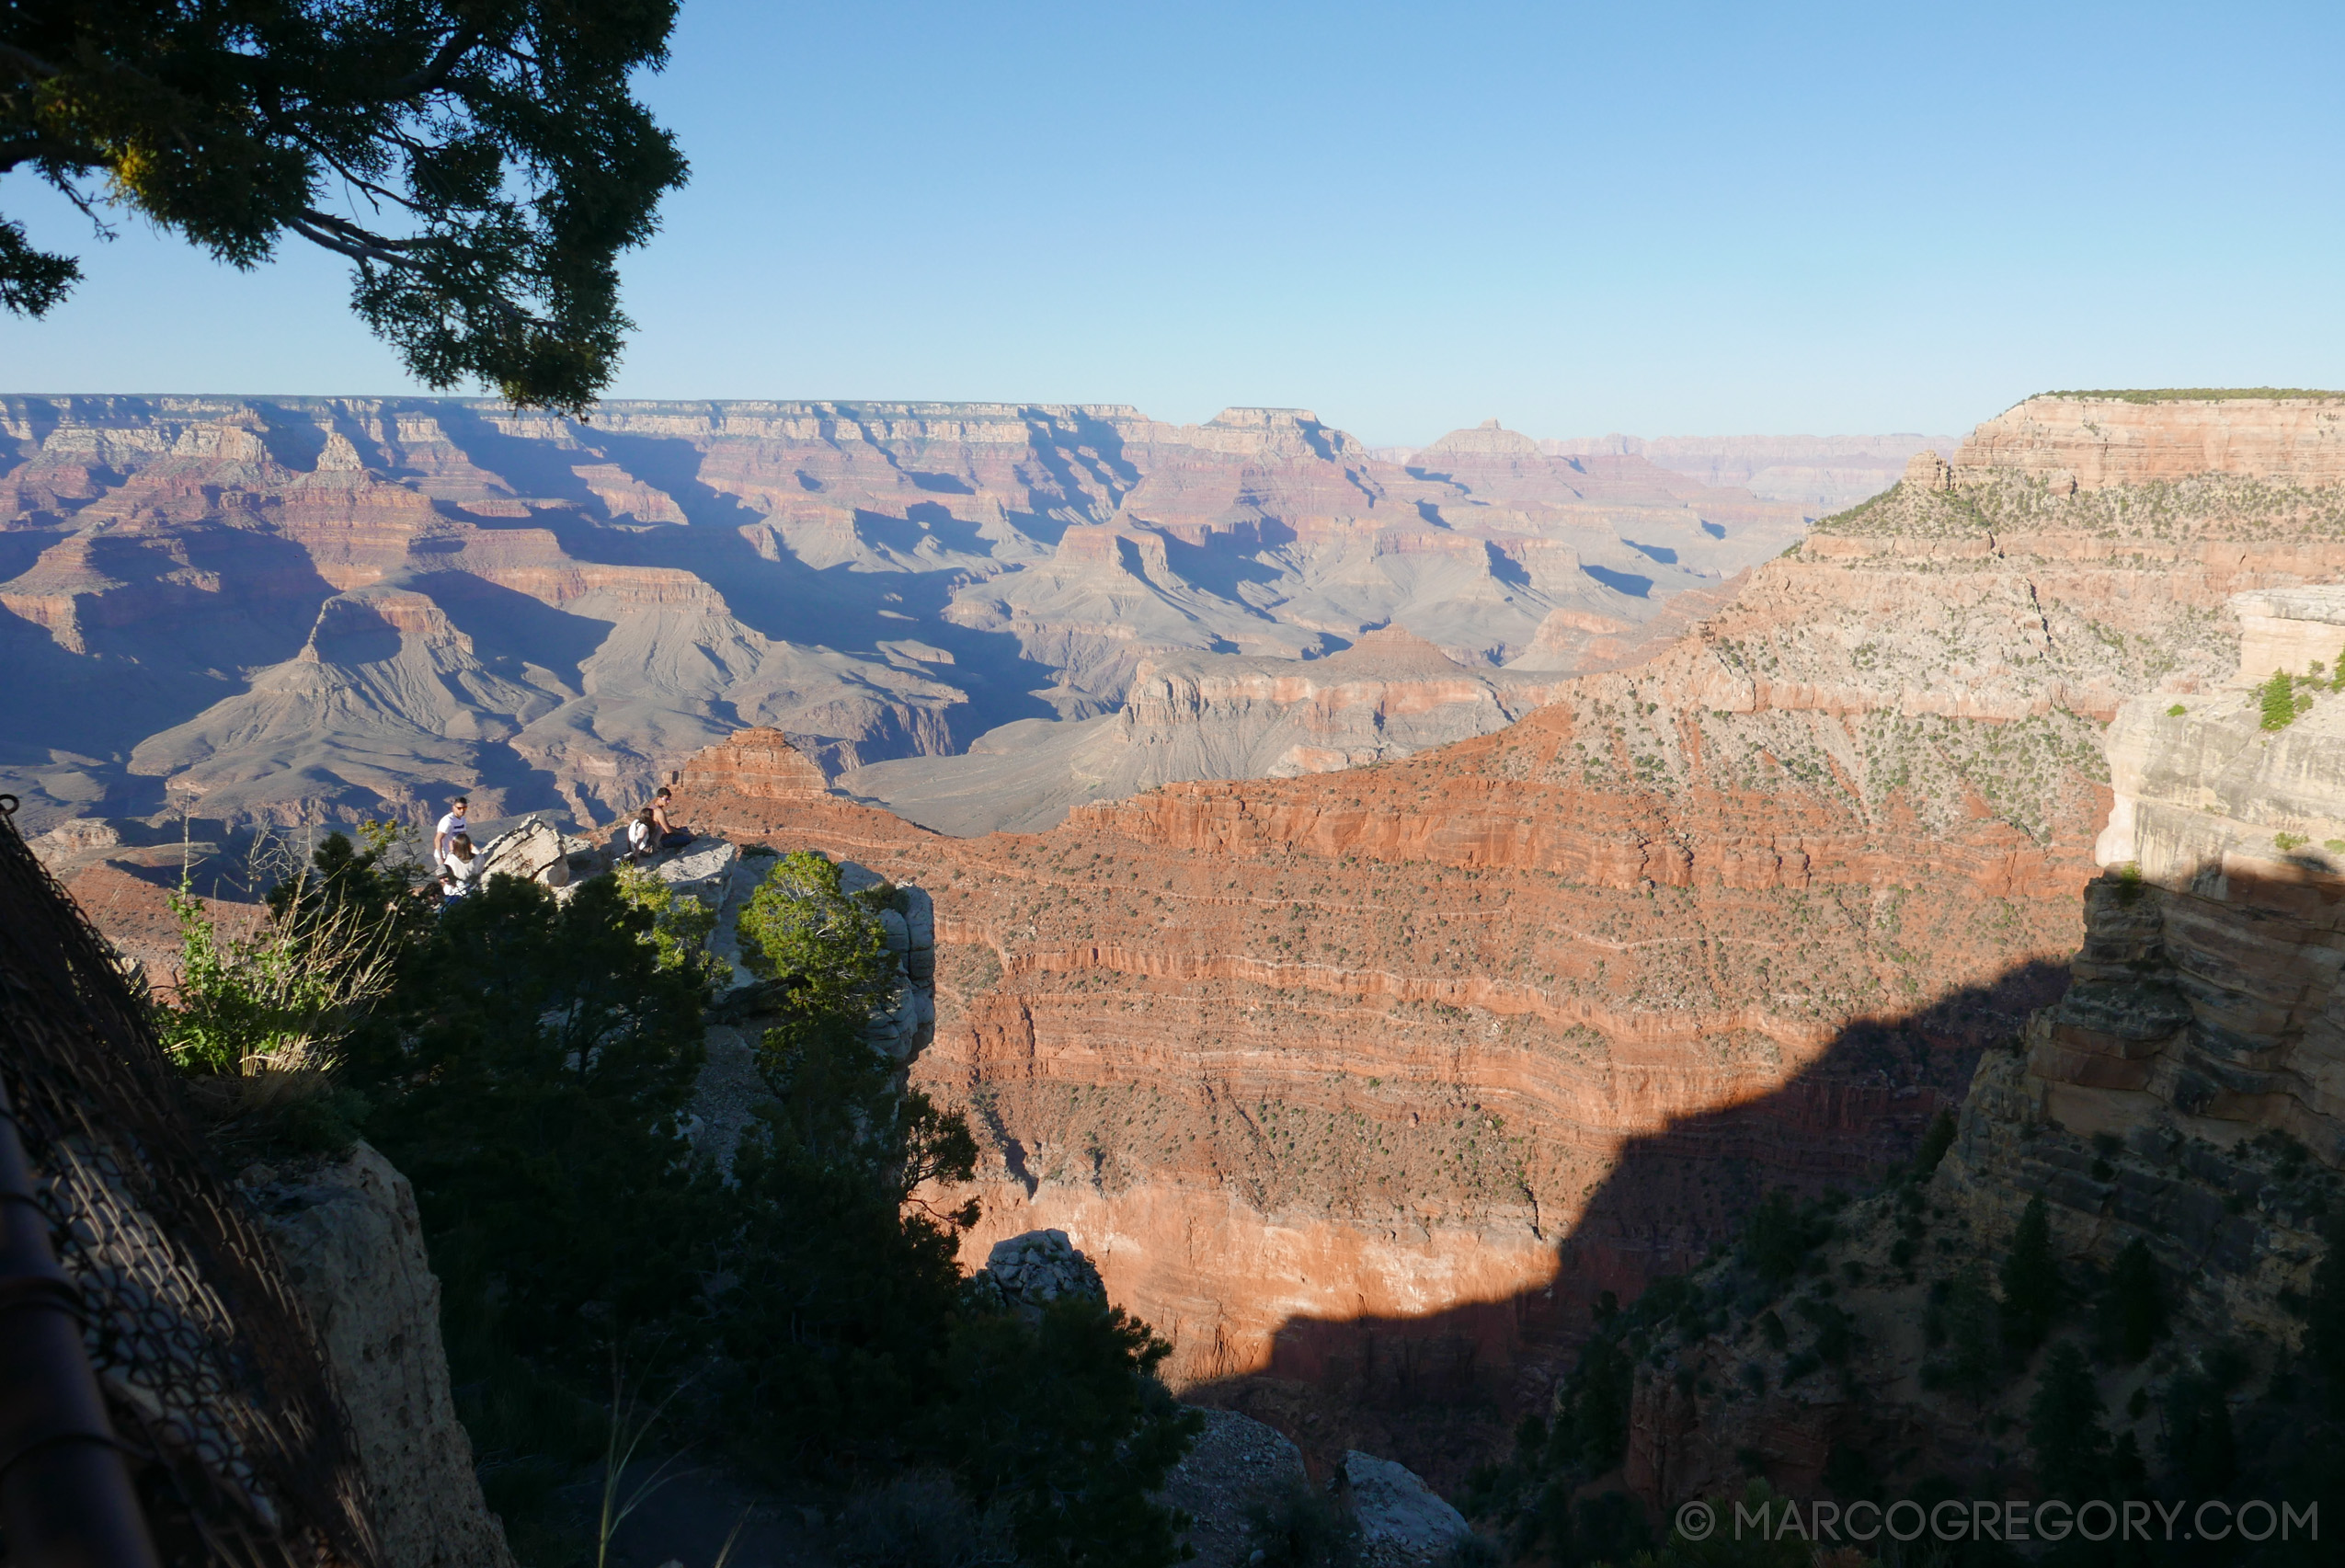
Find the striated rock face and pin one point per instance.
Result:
(1373, 1079)
(287, 610)
(353, 1249)
(1389, 694)
(2182, 1094)
(2206, 996)
(2096, 440)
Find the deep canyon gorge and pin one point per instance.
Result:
(1395, 933)
(288, 611)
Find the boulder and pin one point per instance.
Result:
(1401, 1519)
(920, 918)
(1027, 1273)
(1237, 1465)
(701, 868)
(534, 851)
(353, 1248)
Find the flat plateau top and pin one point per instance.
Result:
(2195, 394)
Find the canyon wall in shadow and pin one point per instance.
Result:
(1361, 1047)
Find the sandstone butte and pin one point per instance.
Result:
(1360, 1086)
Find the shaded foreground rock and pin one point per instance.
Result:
(1028, 1273)
(1401, 1519)
(353, 1248)
(1237, 1466)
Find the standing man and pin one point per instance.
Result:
(450, 826)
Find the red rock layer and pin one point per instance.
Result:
(1374, 1078)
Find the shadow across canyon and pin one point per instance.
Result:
(1440, 1392)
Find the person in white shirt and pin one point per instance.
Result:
(640, 835)
(450, 826)
(464, 866)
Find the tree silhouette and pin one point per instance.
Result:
(482, 163)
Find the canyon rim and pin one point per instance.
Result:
(1363, 1086)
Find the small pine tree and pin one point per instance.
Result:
(2131, 1312)
(2065, 1426)
(1780, 1235)
(2278, 699)
(1935, 1143)
(2031, 1280)
(1962, 1321)
(2199, 1441)
(2325, 1313)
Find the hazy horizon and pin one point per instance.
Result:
(1421, 441)
(1577, 219)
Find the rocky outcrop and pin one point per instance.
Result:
(353, 1250)
(1237, 1469)
(2093, 441)
(2204, 997)
(536, 851)
(714, 873)
(1401, 1519)
(1027, 1274)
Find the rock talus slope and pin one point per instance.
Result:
(1370, 1080)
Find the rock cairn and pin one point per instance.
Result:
(1027, 1272)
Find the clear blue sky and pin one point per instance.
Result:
(1651, 218)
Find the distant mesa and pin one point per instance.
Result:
(286, 610)
(2094, 441)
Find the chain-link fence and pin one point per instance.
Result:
(213, 1374)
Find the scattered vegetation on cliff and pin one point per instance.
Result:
(528, 1064)
(2195, 394)
(2006, 506)
(2042, 1375)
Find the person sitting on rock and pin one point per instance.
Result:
(464, 866)
(641, 836)
(671, 837)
